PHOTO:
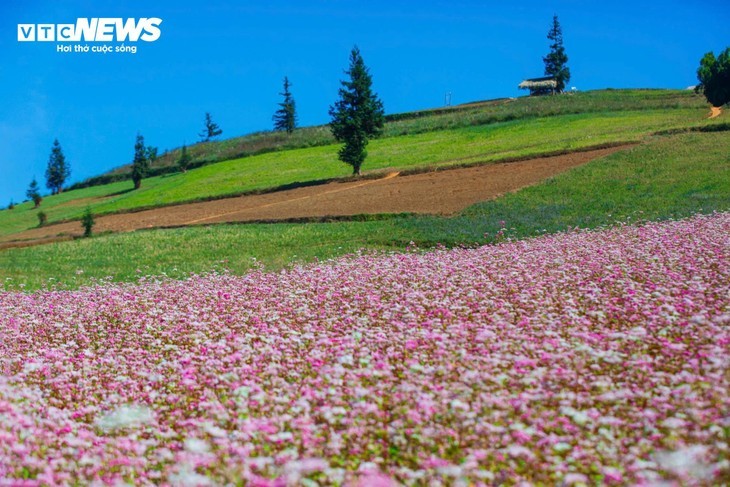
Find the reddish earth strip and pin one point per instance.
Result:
(441, 192)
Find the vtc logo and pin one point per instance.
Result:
(93, 29)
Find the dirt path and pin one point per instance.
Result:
(441, 192)
(715, 112)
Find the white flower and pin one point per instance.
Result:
(673, 423)
(188, 476)
(686, 461)
(196, 445)
(561, 447)
(128, 416)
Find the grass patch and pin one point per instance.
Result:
(668, 177)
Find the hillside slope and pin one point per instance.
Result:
(426, 143)
(666, 177)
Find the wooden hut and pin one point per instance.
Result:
(540, 86)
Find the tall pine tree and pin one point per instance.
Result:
(556, 61)
(358, 115)
(58, 169)
(140, 164)
(285, 118)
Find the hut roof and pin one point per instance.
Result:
(532, 83)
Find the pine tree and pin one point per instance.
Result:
(211, 129)
(58, 170)
(184, 160)
(151, 154)
(357, 115)
(285, 117)
(34, 193)
(140, 164)
(556, 61)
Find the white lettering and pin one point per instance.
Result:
(105, 30)
(130, 30)
(26, 32)
(66, 32)
(94, 30)
(46, 32)
(86, 28)
(152, 29)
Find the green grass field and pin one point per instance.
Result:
(607, 120)
(666, 177)
(467, 115)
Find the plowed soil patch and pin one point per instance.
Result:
(441, 192)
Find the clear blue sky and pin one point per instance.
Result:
(229, 58)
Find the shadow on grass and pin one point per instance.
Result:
(119, 193)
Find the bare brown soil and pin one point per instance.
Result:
(441, 192)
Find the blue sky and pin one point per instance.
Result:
(229, 57)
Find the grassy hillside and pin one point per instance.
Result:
(488, 132)
(667, 177)
(466, 115)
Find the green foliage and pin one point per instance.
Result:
(184, 161)
(58, 169)
(211, 129)
(358, 115)
(714, 77)
(151, 154)
(140, 164)
(87, 221)
(42, 218)
(11, 205)
(556, 61)
(285, 118)
(34, 193)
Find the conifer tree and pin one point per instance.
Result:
(184, 160)
(211, 129)
(58, 169)
(358, 115)
(285, 118)
(556, 61)
(140, 164)
(151, 154)
(34, 193)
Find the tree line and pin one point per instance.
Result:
(356, 117)
(358, 114)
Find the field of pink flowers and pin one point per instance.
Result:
(587, 357)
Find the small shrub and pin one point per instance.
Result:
(87, 221)
(42, 218)
(184, 162)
